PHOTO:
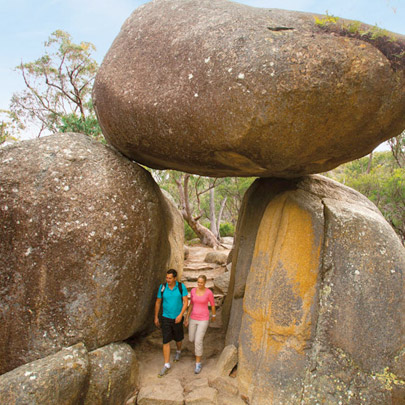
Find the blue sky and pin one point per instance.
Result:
(26, 24)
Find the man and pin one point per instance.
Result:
(173, 295)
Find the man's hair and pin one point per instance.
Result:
(172, 271)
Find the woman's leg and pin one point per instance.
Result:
(192, 327)
(199, 337)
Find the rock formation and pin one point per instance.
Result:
(175, 222)
(320, 273)
(218, 88)
(74, 376)
(84, 243)
(57, 379)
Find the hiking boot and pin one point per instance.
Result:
(163, 371)
(177, 356)
(198, 368)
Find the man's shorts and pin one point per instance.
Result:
(171, 330)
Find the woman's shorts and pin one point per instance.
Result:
(171, 330)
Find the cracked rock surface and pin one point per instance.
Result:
(222, 89)
(321, 277)
(84, 241)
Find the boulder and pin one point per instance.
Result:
(216, 257)
(226, 89)
(186, 252)
(202, 396)
(320, 273)
(57, 379)
(221, 282)
(230, 256)
(224, 385)
(114, 374)
(198, 383)
(166, 392)
(227, 241)
(175, 223)
(84, 247)
(227, 360)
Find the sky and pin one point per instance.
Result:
(27, 24)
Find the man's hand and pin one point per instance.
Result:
(178, 319)
(157, 323)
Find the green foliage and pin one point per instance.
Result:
(391, 46)
(88, 126)
(383, 184)
(8, 127)
(226, 229)
(188, 232)
(326, 21)
(58, 87)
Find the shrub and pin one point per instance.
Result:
(226, 229)
(188, 232)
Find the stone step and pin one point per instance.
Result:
(192, 275)
(198, 266)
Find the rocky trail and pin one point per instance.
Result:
(181, 385)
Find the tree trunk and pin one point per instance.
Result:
(221, 210)
(204, 234)
(213, 222)
(370, 160)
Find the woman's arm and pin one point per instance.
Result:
(213, 309)
(190, 308)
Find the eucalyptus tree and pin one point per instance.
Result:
(57, 95)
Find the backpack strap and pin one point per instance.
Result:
(180, 286)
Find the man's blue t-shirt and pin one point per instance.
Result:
(172, 302)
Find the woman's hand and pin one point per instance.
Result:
(186, 322)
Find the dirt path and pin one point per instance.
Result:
(150, 357)
(149, 349)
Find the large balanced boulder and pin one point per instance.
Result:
(222, 89)
(321, 277)
(84, 245)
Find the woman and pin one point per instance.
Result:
(198, 316)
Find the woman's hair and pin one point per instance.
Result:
(203, 277)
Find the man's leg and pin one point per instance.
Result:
(178, 333)
(166, 352)
(167, 333)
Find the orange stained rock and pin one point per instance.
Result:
(281, 286)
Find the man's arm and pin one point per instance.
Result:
(158, 303)
(185, 304)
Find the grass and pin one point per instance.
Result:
(393, 48)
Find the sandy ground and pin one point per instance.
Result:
(150, 356)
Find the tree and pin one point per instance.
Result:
(58, 88)
(8, 127)
(206, 236)
(397, 146)
(383, 184)
(205, 202)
